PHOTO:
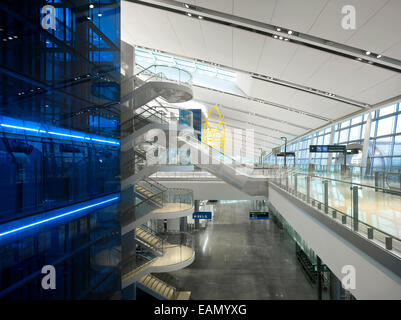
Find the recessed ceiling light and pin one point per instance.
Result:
(281, 38)
(91, 6)
(278, 29)
(359, 59)
(99, 14)
(368, 53)
(200, 17)
(10, 38)
(289, 32)
(275, 37)
(15, 37)
(379, 56)
(189, 15)
(186, 6)
(88, 18)
(285, 39)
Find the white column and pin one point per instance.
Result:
(311, 141)
(365, 149)
(331, 142)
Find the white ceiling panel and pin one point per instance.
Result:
(382, 31)
(247, 48)
(298, 15)
(331, 75)
(256, 107)
(259, 10)
(250, 117)
(217, 5)
(394, 51)
(188, 30)
(275, 57)
(387, 89)
(367, 78)
(219, 42)
(159, 35)
(328, 25)
(325, 107)
(304, 64)
(271, 92)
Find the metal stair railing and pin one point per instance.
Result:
(159, 243)
(159, 286)
(138, 210)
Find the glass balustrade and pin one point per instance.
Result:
(163, 73)
(167, 201)
(369, 210)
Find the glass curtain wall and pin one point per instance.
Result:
(59, 120)
(384, 149)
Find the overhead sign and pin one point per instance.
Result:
(257, 215)
(327, 148)
(286, 154)
(197, 215)
(276, 150)
(352, 151)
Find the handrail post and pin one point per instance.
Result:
(308, 189)
(296, 184)
(326, 196)
(355, 206)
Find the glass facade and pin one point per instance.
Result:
(59, 114)
(384, 149)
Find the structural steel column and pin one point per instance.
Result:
(329, 159)
(355, 206)
(183, 224)
(319, 278)
(365, 149)
(196, 203)
(326, 196)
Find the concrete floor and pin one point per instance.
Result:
(238, 258)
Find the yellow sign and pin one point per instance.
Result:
(215, 138)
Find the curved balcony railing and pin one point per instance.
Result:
(178, 248)
(179, 196)
(163, 73)
(166, 201)
(361, 208)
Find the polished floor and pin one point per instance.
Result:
(238, 258)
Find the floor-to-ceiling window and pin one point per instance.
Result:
(384, 148)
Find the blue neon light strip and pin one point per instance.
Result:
(17, 126)
(57, 216)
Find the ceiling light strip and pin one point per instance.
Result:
(269, 30)
(272, 104)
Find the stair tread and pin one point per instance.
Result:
(183, 295)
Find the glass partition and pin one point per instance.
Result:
(369, 210)
(163, 73)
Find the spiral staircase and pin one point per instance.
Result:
(146, 199)
(145, 106)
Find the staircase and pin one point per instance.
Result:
(148, 238)
(143, 195)
(161, 289)
(148, 189)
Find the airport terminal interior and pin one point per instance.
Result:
(200, 150)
